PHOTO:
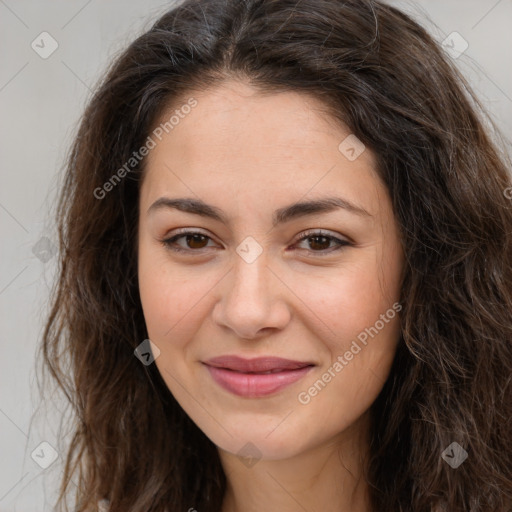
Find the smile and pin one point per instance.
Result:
(254, 378)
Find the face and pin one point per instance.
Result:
(276, 324)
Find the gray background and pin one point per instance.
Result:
(40, 103)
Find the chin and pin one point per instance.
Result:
(251, 447)
(256, 438)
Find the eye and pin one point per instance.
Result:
(320, 242)
(194, 241)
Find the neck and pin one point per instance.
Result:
(328, 477)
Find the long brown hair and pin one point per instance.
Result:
(381, 74)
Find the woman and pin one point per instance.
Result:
(286, 278)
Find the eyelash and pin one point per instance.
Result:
(169, 242)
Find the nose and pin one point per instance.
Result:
(252, 301)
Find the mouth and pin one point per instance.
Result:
(258, 377)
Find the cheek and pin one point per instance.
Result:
(346, 302)
(171, 299)
(359, 317)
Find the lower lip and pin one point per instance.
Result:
(254, 385)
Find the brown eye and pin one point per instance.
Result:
(196, 241)
(193, 242)
(320, 242)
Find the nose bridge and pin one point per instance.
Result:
(250, 285)
(250, 301)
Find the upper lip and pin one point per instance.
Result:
(257, 364)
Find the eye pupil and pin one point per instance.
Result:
(314, 242)
(196, 238)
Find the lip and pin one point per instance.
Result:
(246, 377)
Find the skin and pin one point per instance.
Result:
(250, 154)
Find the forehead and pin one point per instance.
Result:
(241, 113)
(237, 142)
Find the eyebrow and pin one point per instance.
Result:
(280, 216)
